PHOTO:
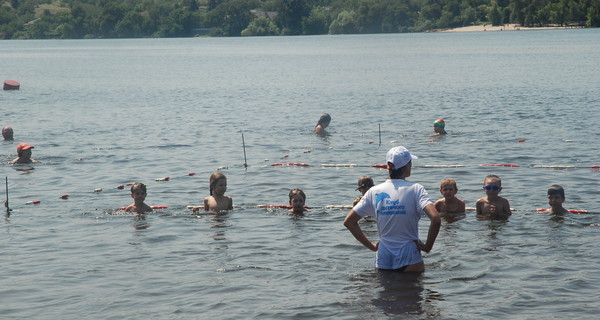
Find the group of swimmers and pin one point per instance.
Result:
(396, 204)
(23, 149)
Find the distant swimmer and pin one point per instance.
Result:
(217, 200)
(323, 123)
(297, 202)
(138, 193)
(439, 127)
(449, 203)
(492, 206)
(24, 154)
(7, 133)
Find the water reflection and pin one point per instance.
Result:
(396, 294)
(219, 223)
(452, 217)
(404, 294)
(140, 222)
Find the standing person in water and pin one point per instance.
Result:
(297, 201)
(23, 154)
(323, 123)
(138, 193)
(439, 127)
(217, 200)
(396, 205)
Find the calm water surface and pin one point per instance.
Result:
(101, 113)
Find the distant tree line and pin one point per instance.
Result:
(76, 19)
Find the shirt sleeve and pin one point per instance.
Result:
(365, 206)
(424, 199)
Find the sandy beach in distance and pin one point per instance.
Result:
(506, 27)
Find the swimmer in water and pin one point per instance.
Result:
(439, 127)
(492, 206)
(297, 202)
(7, 133)
(217, 200)
(364, 184)
(24, 154)
(138, 193)
(449, 203)
(556, 198)
(323, 123)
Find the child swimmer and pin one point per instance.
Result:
(138, 193)
(492, 206)
(556, 198)
(217, 200)
(439, 127)
(449, 203)
(297, 202)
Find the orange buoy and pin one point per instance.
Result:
(521, 140)
(158, 207)
(64, 196)
(11, 85)
(121, 187)
(191, 174)
(33, 202)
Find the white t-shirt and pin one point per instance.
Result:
(397, 205)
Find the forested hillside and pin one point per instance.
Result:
(66, 19)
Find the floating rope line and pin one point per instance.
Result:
(383, 166)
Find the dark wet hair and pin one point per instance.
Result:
(296, 191)
(365, 182)
(324, 119)
(214, 178)
(397, 173)
(556, 189)
(138, 185)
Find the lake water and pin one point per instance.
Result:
(101, 113)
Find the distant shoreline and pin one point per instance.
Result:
(506, 27)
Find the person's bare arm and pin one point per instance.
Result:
(351, 222)
(434, 228)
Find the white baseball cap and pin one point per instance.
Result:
(399, 157)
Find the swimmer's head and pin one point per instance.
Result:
(295, 193)
(556, 189)
(138, 186)
(324, 120)
(365, 183)
(22, 147)
(439, 126)
(7, 133)
(214, 178)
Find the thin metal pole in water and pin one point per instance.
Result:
(380, 134)
(244, 144)
(6, 203)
